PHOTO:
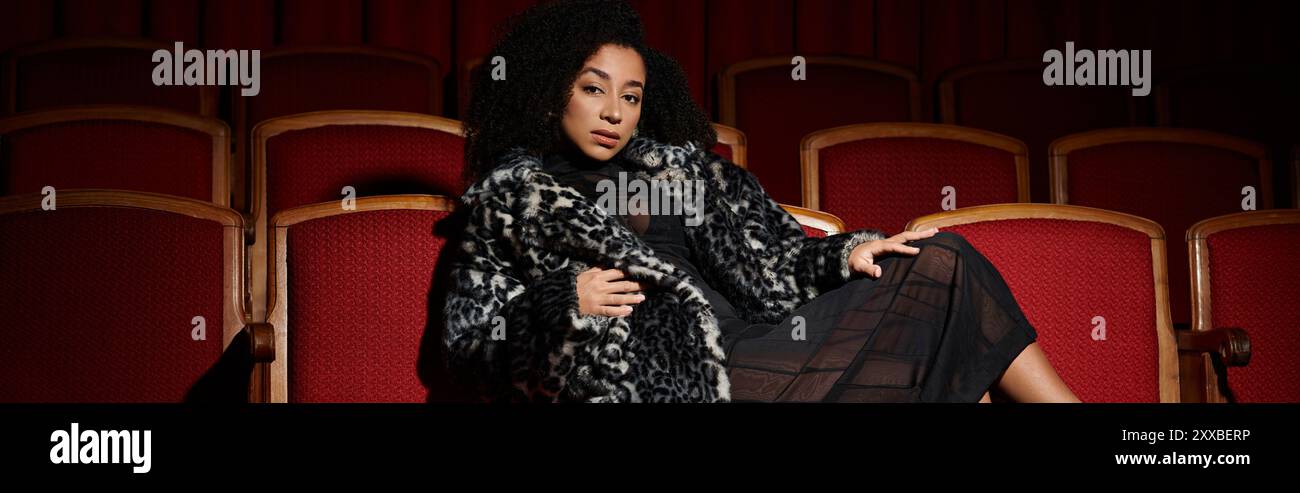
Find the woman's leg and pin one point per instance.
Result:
(1030, 378)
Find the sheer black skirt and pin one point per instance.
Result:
(940, 326)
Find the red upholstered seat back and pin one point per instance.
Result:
(1011, 99)
(723, 150)
(775, 113)
(358, 302)
(298, 82)
(314, 164)
(1255, 285)
(98, 304)
(1065, 274)
(813, 232)
(1173, 184)
(108, 153)
(88, 74)
(886, 182)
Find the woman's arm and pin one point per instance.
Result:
(513, 341)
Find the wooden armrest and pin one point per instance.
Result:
(1230, 343)
(261, 338)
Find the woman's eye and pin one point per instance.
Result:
(591, 89)
(632, 98)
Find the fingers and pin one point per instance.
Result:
(619, 287)
(614, 311)
(892, 247)
(914, 235)
(622, 299)
(609, 275)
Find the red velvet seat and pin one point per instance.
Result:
(101, 295)
(1245, 275)
(117, 147)
(760, 98)
(1010, 98)
(1076, 271)
(352, 297)
(310, 158)
(305, 79)
(882, 175)
(69, 72)
(1175, 177)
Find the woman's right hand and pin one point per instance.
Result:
(603, 292)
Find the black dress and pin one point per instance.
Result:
(940, 326)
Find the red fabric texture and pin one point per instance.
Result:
(120, 154)
(1175, 185)
(1255, 285)
(884, 183)
(776, 112)
(98, 304)
(723, 150)
(338, 81)
(313, 165)
(97, 76)
(358, 301)
(1064, 273)
(813, 232)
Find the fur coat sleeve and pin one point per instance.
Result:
(756, 254)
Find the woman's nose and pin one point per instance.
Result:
(611, 113)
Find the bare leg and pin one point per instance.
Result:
(986, 399)
(1030, 378)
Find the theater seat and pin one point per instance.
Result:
(1009, 97)
(881, 175)
(118, 147)
(816, 224)
(351, 301)
(1245, 275)
(1175, 177)
(1092, 284)
(310, 158)
(320, 78)
(732, 145)
(76, 71)
(760, 98)
(103, 292)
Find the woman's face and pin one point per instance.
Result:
(605, 105)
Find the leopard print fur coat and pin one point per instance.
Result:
(513, 329)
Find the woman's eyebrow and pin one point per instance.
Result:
(602, 74)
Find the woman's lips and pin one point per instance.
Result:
(604, 140)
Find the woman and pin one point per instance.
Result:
(713, 296)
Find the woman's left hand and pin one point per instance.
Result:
(863, 257)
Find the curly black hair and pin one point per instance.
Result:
(544, 48)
